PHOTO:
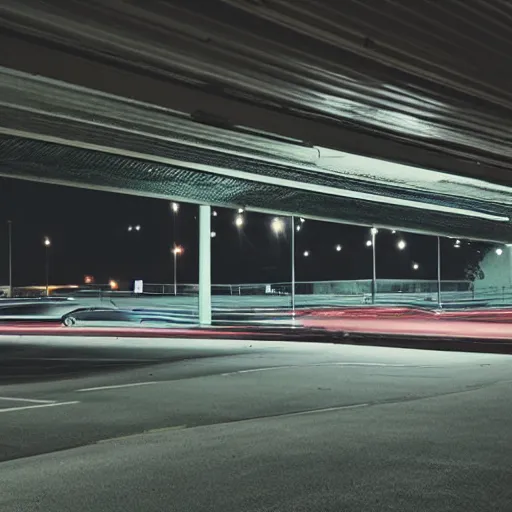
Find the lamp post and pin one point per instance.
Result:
(374, 232)
(9, 226)
(439, 272)
(278, 227)
(292, 255)
(176, 251)
(47, 243)
(175, 208)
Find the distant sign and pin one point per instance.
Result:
(138, 286)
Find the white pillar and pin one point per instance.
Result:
(205, 266)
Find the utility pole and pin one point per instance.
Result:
(9, 225)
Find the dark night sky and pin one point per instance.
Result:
(89, 234)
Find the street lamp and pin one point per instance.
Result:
(175, 207)
(47, 243)
(176, 251)
(368, 243)
(415, 266)
(239, 221)
(499, 251)
(277, 225)
(306, 254)
(213, 234)
(338, 248)
(401, 245)
(137, 227)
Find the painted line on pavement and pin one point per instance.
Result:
(31, 400)
(372, 365)
(40, 406)
(328, 409)
(137, 434)
(164, 429)
(254, 370)
(117, 386)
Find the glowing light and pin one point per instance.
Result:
(88, 279)
(137, 227)
(177, 250)
(214, 213)
(47, 242)
(306, 254)
(239, 221)
(374, 231)
(368, 243)
(175, 207)
(338, 248)
(240, 210)
(415, 266)
(401, 245)
(393, 231)
(213, 234)
(299, 227)
(302, 220)
(130, 228)
(499, 251)
(114, 285)
(277, 225)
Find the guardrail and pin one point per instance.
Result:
(307, 294)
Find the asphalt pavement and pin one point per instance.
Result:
(233, 425)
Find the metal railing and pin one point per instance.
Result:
(308, 294)
(256, 303)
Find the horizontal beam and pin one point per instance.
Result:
(267, 211)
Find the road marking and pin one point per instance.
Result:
(164, 429)
(137, 434)
(372, 365)
(118, 386)
(31, 400)
(328, 409)
(253, 370)
(40, 406)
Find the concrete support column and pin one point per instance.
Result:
(205, 266)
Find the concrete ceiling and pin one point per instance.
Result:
(369, 112)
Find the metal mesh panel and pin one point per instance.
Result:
(58, 163)
(95, 134)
